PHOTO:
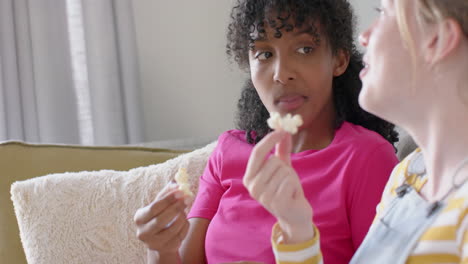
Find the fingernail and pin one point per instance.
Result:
(187, 201)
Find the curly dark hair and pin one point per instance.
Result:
(337, 26)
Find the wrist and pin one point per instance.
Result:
(163, 257)
(297, 233)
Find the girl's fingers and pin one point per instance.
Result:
(184, 230)
(145, 214)
(260, 153)
(286, 188)
(168, 189)
(173, 228)
(284, 148)
(169, 237)
(161, 222)
(265, 173)
(271, 188)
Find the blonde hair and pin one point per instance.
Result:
(431, 11)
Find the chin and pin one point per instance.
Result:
(378, 106)
(370, 102)
(364, 100)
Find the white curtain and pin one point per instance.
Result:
(69, 72)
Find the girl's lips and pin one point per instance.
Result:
(290, 103)
(364, 71)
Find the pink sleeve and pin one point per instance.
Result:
(210, 189)
(367, 188)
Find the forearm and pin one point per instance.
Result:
(153, 257)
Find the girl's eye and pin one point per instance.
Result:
(379, 10)
(264, 55)
(305, 50)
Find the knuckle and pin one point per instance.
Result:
(185, 222)
(157, 224)
(181, 206)
(154, 245)
(289, 169)
(255, 150)
(153, 207)
(136, 218)
(137, 222)
(284, 171)
(261, 199)
(290, 180)
(170, 231)
(245, 181)
(275, 160)
(249, 188)
(174, 210)
(255, 191)
(141, 235)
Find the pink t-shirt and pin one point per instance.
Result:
(343, 182)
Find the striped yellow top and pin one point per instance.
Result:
(445, 241)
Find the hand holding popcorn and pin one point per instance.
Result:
(162, 224)
(273, 182)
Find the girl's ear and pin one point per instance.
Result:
(442, 41)
(341, 62)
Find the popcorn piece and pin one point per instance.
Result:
(274, 122)
(181, 178)
(287, 123)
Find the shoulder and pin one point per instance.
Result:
(457, 205)
(232, 142)
(405, 169)
(363, 144)
(231, 153)
(358, 135)
(232, 137)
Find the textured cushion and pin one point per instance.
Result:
(405, 145)
(87, 217)
(20, 161)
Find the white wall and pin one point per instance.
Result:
(189, 89)
(365, 12)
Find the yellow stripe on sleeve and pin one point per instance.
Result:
(313, 260)
(276, 241)
(307, 252)
(433, 258)
(454, 204)
(440, 233)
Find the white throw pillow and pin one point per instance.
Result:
(87, 217)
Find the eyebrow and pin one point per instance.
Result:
(261, 37)
(308, 30)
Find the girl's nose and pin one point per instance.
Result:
(364, 37)
(283, 72)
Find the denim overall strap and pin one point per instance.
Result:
(392, 238)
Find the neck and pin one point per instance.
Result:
(313, 139)
(443, 139)
(317, 135)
